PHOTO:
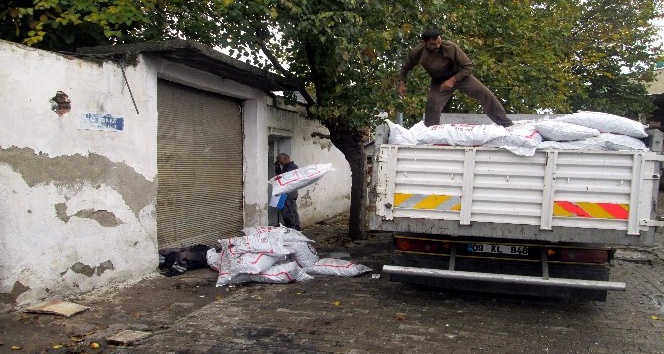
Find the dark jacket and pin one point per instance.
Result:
(441, 65)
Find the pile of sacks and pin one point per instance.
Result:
(577, 131)
(269, 254)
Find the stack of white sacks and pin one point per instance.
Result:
(577, 131)
(274, 255)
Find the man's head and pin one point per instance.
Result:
(431, 39)
(283, 159)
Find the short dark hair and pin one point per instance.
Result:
(429, 34)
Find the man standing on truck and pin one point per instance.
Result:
(450, 69)
(289, 212)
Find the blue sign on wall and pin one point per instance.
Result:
(101, 121)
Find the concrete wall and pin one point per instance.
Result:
(78, 190)
(329, 196)
(77, 200)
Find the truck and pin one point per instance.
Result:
(485, 219)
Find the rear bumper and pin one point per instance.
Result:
(507, 278)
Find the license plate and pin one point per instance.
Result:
(497, 249)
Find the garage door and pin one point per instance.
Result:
(199, 161)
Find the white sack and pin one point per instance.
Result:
(522, 140)
(340, 267)
(285, 233)
(606, 123)
(213, 259)
(293, 180)
(256, 243)
(616, 142)
(400, 135)
(252, 263)
(226, 278)
(460, 134)
(595, 143)
(304, 253)
(282, 273)
(563, 131)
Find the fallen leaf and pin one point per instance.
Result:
(76, 338)
(654, 318)
(218, 297)
(16, 347)
(400, 316)
(57, 346)
(337, 303)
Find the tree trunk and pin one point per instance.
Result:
(351, 144)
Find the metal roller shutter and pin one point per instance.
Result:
(199, 161)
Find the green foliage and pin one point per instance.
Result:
(615, 55)
(556, 55)
(63, 25)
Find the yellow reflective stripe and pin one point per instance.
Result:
(400, 198)
(431, 201)
(595, 210)
(559, 211)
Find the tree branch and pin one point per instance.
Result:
(273, 59)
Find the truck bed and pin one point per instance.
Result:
(593, 197)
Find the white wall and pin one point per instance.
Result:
(76, 211)
(329, 196)
(77, 205)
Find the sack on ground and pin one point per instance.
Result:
(252, 263)
(293, 180)
(304, 253)
(256, 243)
(282, 273)
(213, 259)
(340, 267)
(226, 278)
(285, 233)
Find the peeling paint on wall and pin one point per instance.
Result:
(60, 103)
(88, 271)
(103, 217)
(17, 290)
(72, 171)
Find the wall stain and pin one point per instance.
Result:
(88, 271)
(306, 200)
(108, 265)
(103, 217)
(17, 290)
(37, 168)
(61, 212)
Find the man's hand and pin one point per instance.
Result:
(448, 84)
(402, 89)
